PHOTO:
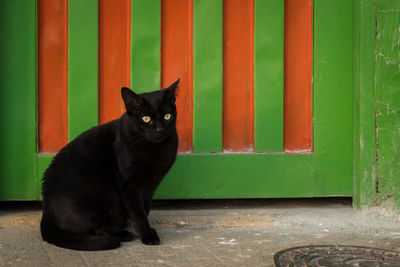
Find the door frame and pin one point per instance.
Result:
(364, 142)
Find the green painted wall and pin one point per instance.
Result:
(387, 102)
(376, 155)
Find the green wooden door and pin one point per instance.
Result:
(207, 169)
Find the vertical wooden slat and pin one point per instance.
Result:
(238, 93)
(333, 90)
(114, 56)
(146, 45)
(268, 75)
(83, 68)
(208, 73)
(52, 74)
(176, 62)
(18, 100)
(298, 76)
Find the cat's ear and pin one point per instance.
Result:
(170, 92)
(132, 101)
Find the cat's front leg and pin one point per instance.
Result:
(135, 207)
(141, 224)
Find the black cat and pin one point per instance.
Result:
(109, 173)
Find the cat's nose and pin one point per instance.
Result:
(158, 127)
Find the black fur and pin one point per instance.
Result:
(108, 174)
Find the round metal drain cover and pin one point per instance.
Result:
(336, 256)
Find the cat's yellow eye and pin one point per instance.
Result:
(167, 116)
(146, 119)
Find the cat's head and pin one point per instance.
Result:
(152, 114)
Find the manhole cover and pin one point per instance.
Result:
(336, 256)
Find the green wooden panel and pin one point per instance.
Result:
(268, 75)
(327, 171)
(83, 66)
(208, 74)
(17, 99)
(257, 175)
(364, 107)
(146, 45)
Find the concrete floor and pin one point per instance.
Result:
(208, 233)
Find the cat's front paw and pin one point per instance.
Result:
(151, 238)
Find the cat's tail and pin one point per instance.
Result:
(77, 241)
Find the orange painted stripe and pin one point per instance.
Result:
(238, 106)
(177, 62)
(298, 76)
(52, 74)
(114, 56)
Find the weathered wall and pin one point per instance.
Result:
(387, 102)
